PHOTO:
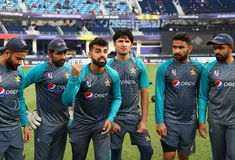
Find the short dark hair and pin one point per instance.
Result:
(98, 41)
(123, 33)
(183, 36)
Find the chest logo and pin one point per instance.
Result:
(17, 78)
(133, 70)
(107, 83)
(193, 72)
(67, 75)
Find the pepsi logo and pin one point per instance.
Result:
(88, 95)
(176, 83)
(2, 91)
(218, 84)
(51, 86)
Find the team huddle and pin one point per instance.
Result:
(104, 112)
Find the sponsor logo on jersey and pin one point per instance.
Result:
(54, 87)
(2, 91)
(8, 92)
(88, 95)
(51, 86)
(218, 84)
(128, 82)
(177, 83)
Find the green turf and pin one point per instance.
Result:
(203, 151)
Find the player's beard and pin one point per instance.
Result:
(180, 58)
(11, 65)
(221, 58)
(98, 62)
(58, 63)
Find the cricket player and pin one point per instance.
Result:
(217, 89)
(50, 79)
(177, 85)
(134, 84)
(12, 104)
(94, 89)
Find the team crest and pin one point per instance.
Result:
(107, 83)
(173, 71)
(216, 73)
(193, 72)
(17, 78)
(67, 75)
(133, 70)
(147, 138)
(49, 75)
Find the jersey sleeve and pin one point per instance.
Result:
(144, 80)
(72, 87)
(23, 114)
(34, 74)
(160, 92)
(116, 95)
(204, 89)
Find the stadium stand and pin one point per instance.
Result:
(116, 7)
(15, 29)
(48, 30)
(207, 6)
(84, 7)
(10, 6)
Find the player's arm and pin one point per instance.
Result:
(116, 101)
(73, 85)
(116, 96)
(144, 97)
(159, 97)
(204, 88)
(23, 114)
(34, 74)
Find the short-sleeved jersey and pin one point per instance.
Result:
(96, 97)
(217, 90)
(12, 104)
(133, 75)
(50, 82)
(176, 91)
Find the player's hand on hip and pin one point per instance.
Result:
(76, 70)
(34, 119)
(107, 127)
(27, 134)
(142, 127)
(161, 129)
(115, 127)
(202, 130)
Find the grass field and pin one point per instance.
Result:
(203, 150)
